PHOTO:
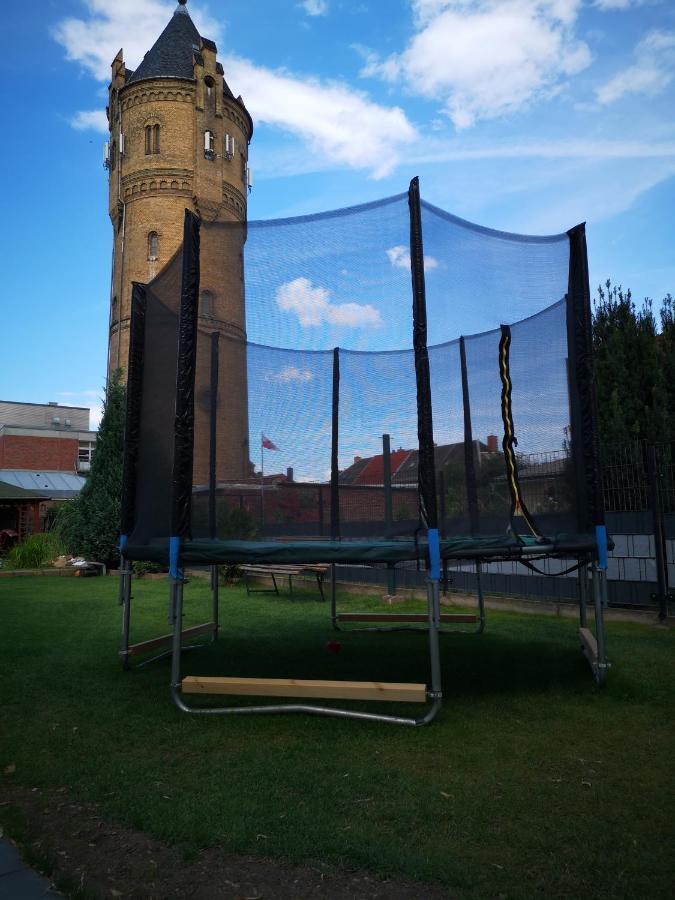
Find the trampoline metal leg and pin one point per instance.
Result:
(434, 609)
(481, 598)
(333, 597)
(600, 600)
(583, 596)
(125, 600)
(215, 597)
(176, 604)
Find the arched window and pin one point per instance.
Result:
(152, 246)
(151, 139)
(206, 304)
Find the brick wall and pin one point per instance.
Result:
(38, 453)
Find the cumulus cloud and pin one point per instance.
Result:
(313, 306)
(90, 120)
(93, 41)
(652, 71)
(289, 374)
(315, 7)
(399, 257)
(486, 58)
(340, 124)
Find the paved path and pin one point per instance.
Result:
(17, 881)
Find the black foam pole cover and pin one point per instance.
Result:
(583, 393)
(335, 435)
(425, 429)
(185, 380)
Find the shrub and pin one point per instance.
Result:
(140, 568)
(36, 551)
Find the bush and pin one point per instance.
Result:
(140, 568)
(37, 551)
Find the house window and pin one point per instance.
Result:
(152, 246)
(113, 156)
(209, 144)
(151, 139)
(207, 304)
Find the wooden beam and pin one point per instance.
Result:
(590, 644)
(402, 617)
(291, 687)
(165, 639)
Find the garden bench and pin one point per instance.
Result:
(318, 570)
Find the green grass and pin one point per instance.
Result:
(531, 781)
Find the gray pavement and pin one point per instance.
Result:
(17, 881)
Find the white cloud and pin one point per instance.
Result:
(135, 25)
(90, 120)
(313, 306)
(399, 257)
(337, 122)
(584, 149)
(315, 7)
(487, 58)
(289, 374)
(340, 125)
(605, 5)
(652, 71)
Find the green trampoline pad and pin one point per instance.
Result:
(215, 552)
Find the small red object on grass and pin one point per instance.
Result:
(333, 646)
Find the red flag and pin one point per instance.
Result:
(267, 443)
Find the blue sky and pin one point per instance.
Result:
(523, 115)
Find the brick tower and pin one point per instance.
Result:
(179, 140)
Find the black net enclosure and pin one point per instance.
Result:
(380, 383)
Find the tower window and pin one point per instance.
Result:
(209, 145)
(151, 139)
(210, 93)
(152, 246)
(206, 304)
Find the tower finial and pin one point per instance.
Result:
(181, 7)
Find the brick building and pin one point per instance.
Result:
(45, 437)
(179, 140)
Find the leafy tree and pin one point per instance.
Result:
(629, 363)
(89, 525)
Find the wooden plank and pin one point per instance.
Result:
(589, 643)
(291, 687)
(402, 617)
(166, 639)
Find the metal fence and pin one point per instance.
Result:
(628, 482)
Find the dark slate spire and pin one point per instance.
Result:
(171, 54)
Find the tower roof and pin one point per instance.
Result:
(171, 54)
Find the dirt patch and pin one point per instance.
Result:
(96, 859)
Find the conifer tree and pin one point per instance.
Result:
(629, 362)
(90, 524)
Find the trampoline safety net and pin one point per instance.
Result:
(294, 380)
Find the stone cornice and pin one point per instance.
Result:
(157, 90)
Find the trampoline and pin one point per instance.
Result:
(471, 349)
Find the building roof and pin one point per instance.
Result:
(371, 469)
(49, 485)
(171, 56)
(12, 492)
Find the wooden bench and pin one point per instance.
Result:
(293, 687)
(318, 570)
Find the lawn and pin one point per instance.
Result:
(531, 781)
